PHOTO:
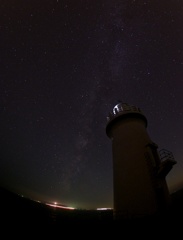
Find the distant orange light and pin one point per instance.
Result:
(58, 206)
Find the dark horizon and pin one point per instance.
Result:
(19, 214)
(6, 194)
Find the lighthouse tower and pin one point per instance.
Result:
(139, 169)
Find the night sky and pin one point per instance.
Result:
(63, 66)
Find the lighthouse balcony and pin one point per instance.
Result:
(167, 162)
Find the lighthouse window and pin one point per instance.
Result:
(117, 108)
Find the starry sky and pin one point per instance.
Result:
(64, 65)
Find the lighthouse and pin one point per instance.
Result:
(139, 169)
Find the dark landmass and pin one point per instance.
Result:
(15, 208)
(19, 211)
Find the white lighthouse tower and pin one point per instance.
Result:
(139, 170)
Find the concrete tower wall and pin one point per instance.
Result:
(133, 187)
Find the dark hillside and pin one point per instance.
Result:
(24, 212)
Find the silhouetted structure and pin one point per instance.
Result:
(139, 170)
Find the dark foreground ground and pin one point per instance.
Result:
(18, 214)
